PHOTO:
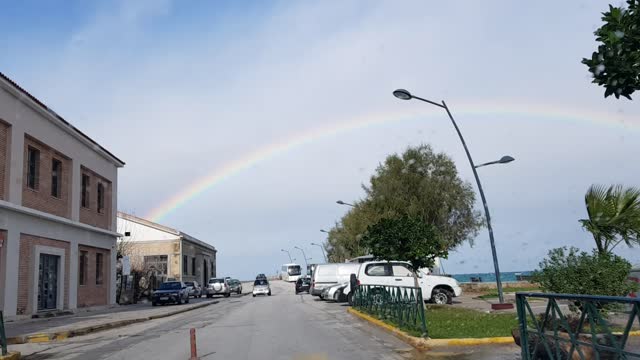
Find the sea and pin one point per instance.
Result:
(491, 277)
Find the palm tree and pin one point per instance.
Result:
(614, 216)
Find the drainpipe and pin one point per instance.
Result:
(181, 258)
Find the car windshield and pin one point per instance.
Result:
(294, 270)
(170, 286)
(214, 281)
(260, 282)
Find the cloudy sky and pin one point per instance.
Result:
(288, 105)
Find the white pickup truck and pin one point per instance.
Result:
(437, 289)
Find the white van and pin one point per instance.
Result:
(330, 274)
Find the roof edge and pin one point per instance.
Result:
(58, 120)
(146, 222)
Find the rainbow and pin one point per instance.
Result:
(235, 166)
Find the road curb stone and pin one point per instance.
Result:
(62, 335)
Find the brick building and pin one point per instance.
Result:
(172, 253)
(57, 210)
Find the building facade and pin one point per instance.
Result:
(172, 254)
(57, 210)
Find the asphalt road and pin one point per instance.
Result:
(281, 326)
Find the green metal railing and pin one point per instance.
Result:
(590, 331)
(401, 305)
(3, 336)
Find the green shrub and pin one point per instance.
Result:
(570, 271)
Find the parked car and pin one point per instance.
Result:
(325, 275)
(437, 289)
(171, 292)
(236, 286)
(303, 285)
(261, 287)
(195, 290)
(218, 286)
(334, 292)
(261, 277)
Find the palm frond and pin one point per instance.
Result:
(613, 215)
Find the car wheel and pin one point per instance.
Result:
(179, 300)
(442, 297)
(254, 295)
(350, 298)
(153, 303)
(336, 296)
(227, 294)
(269, 293)
(187, 301)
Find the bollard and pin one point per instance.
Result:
(194, 350)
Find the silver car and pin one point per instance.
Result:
(335, 292)
(261, 287)
(218, 286)
(195, 290)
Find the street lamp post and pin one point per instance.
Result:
(321, 248)
(406, 95)
(304, 256)
(288, 253)
(340, 202)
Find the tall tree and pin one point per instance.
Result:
(419, 184)
(616, 63)
(425, 185)
(613, 216)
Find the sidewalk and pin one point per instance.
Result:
(85, 322)
(470, 301)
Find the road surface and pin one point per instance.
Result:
(282, 326)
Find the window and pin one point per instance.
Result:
(99, 263)
(401, 270)
(185, 265)
(85, 190)
(82, 271)
(100, 198)
(193, 266)
(157, 263)
(33, 167)
(378, 270)
(56, 177)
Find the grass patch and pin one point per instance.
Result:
(494, 294)
(447, 322)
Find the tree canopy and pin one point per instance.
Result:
(405, 238)
(616, 63)
(420, 184)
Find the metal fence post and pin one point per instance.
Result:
(3, 336)
(422, 314)
(522, 317)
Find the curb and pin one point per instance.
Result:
(423, 344)
(11, 355)
(63, 335)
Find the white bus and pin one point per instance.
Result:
(290, 272)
